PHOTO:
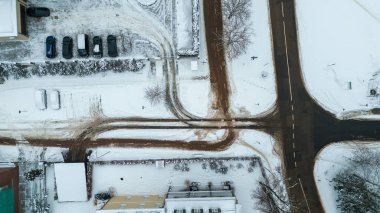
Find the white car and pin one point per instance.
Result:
(54, 99)
(40, 99)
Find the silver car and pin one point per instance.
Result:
(54, 99)
(40, 99)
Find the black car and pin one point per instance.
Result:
(97, 47)
(67, 47)
(50, 47)
(112, 47)
(38, 12)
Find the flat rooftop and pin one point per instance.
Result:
(8, 18)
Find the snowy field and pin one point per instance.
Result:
(253, 81)
(339, 44)
(329, 162)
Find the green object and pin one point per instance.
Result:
(7, 201)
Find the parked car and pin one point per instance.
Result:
(38, 12)
(97, 51)
(54, 99)
(50, 47)
(82, 41)
(67, 47)
(40, 99)
(112, 47)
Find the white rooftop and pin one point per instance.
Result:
(71, 181)
(8, 18)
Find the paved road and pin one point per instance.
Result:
(306, 126)
(296, 108)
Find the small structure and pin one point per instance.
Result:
(71, 181)
(134, 204)
(12, 20)
(194, 65)
(160, 164)
(9, 189)
(215, 200)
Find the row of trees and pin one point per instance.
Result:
(72, 68)
(236, 27)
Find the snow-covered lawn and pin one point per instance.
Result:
(329, 162)
(339, 44)
(253, 81)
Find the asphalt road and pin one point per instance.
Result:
(306, 127)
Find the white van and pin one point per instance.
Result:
(40, 99)
(82, 42)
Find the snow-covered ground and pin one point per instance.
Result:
(248, 143)
(328, 163)
(253, 81)
(167, 134)
(194, 87)
(82, 99)
(339, 44)
(184, 24)
(30, 154)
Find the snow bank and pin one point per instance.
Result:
(340, 49)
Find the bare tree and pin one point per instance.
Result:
(271, 196)
(155, 94)
(236, 27)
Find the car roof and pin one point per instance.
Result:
(81, 41)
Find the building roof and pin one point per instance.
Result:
(135, 202)
(71, 181)
(8, 18)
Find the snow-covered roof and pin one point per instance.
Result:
(194, 65)
(8, 18)
(71, 181)
(81, 41)
(225, 204)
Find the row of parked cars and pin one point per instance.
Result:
(42, 100)
(82, 46)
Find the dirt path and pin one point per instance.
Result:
(216, 56)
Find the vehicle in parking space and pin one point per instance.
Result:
(54, 99)
(82, 41)
(38, 12)
(112, 47)
(50, 47)
(40, 99)
(97, 43)
(67, 47)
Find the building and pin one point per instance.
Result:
(190, 199)
(134, 204)
(9, 190)
(12, 20)
(71, 182)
